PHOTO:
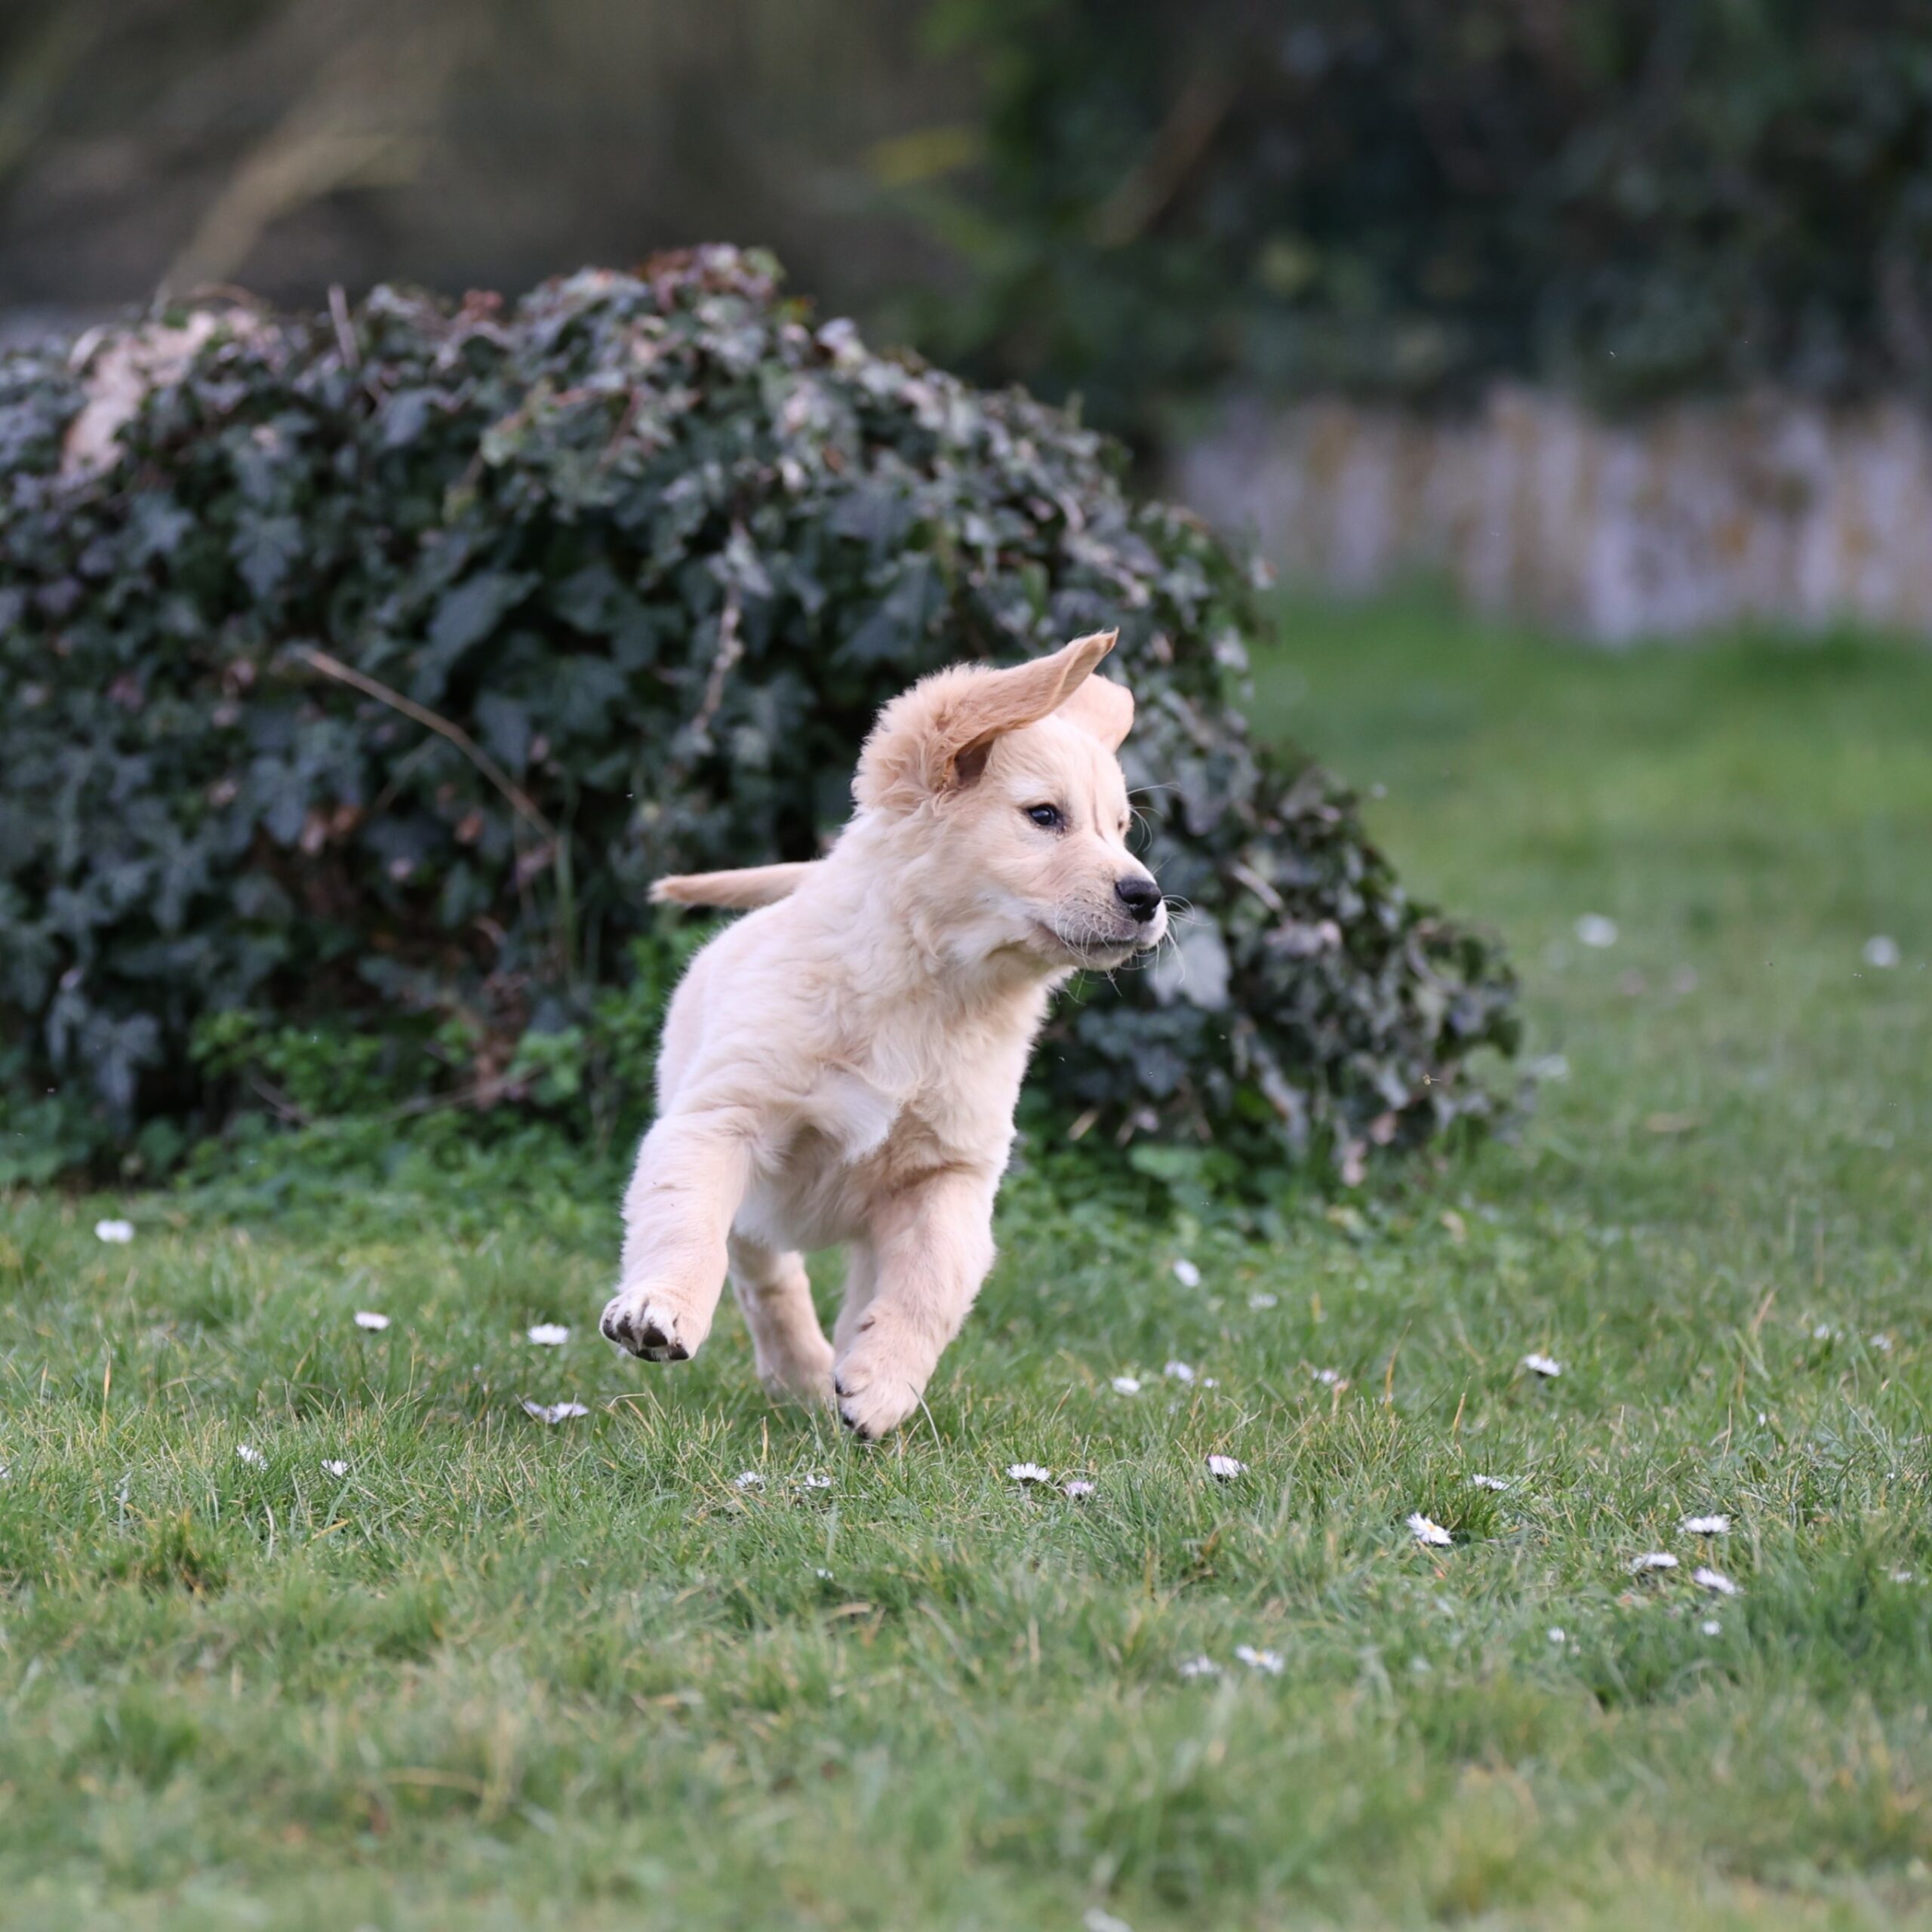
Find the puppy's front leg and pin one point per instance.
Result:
(932, 1245)
(692, 1174)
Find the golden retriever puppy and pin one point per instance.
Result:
(842, 1064)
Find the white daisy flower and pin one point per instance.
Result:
(1078, 1490)
(1425, 1531)
(1706, 1525)
(335, 1468)
(1883, 1343)
(814, 1482)
(750, 1479)
(1547, 1365)
(553, 1412)
(1594, 930)
(1199, 1667)
(1488, 1482)
(1026, 1472)
(1710, 1626)
(1186, 1273)
(118, 1234)
(823, 1576)
(1225, 1468)
(1904, 1576)
(1882, 952)
(1652, 1559)
(550, 1334)
(1264, 1300)
(1178, 1371)
(1127, 1385)
(1714, 1580)
(252, 1456)
(1558, 1634)
(1823, 1333)
(1329, 1378)
(1270, 1661)
(367, 1317)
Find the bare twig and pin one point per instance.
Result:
(286, 1110)
(371, 79)
(731, 648)
(279, 1103)
(1259, 886)
(345, 332)
(1179, 142)
(520, 801)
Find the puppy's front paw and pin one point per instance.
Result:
(871, 1410)
(877, 1389)
(651, 1327)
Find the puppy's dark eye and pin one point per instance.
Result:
(1047, 817)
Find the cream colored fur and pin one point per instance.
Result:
(841, 1065)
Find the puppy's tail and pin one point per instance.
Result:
(754, 885)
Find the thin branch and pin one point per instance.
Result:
(520, 801)
(279, 1103)
(1179, 142)
(345, 332)
(731, 648)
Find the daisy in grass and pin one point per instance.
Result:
(553, 1412)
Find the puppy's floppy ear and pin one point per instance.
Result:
(935, 737)
(1103, 707)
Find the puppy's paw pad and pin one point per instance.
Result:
(647, 1328)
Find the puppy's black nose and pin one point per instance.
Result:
(1141, 896)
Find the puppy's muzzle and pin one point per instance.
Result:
(1140, 896)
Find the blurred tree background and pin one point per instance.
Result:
(289, 144)
(1630, 199)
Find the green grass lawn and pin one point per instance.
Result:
(499, 1673)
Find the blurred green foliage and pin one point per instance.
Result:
(1410, 198)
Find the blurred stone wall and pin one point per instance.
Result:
(1695, 518)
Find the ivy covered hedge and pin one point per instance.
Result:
(361, 669)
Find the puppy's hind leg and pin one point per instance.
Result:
(692, 1172)
(793, 1359)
